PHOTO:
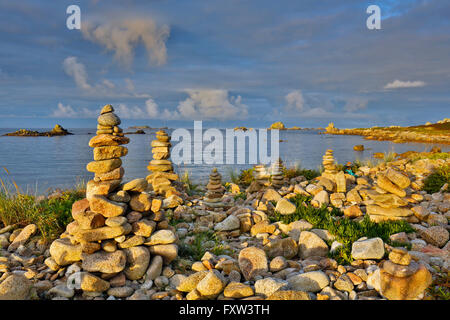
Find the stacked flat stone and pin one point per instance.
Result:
(161, 167)
(108, 150)
(215, 190)
(116, 227)
(277, 174)
(389, 197)
(261, 175)
(328, 162)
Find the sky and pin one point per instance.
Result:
(228, 63)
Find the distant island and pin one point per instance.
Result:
(428, 133)
(58, 130)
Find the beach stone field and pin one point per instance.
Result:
(141, 239)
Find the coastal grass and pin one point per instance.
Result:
(49, 214)
(436, 180)
(202, 242)
(346, 231)
(297, 170)
(190, 187)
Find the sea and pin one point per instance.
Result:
(40, 165)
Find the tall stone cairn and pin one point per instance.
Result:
(161, 167)
(117, 227)
(277, 174)
(329, 164)
(215, 190)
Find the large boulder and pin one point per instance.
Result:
(252, 262)
(15, 287)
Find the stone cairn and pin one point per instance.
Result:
(328, 163)
(277, 174)
(161, 167)
(215, 190)
(261, 175)
(116, 227)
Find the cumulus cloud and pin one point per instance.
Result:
(122, 36)
(299, 105)
(204, 104)
(212, 104)
(77, 71)
(295, 101)
(67, 111)
(105, 88)
(398, 84)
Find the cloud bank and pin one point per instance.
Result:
(398, 84)
(123, 36)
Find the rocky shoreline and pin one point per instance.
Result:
(430, 133)
(56, 131)
(336, 237)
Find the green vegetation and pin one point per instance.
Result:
(204, 241)
(431, 156)
(50, 215)
(241, 195)
(189, 186)
(440, 288)
(345, 230)
(297, 171)
(434, 182)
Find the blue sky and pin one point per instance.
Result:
(229, 63)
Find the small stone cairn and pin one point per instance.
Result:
(401, 278)
(277, 174)
(161, 167)
(261, 175)
(329, 164)
(116, 227)
(215, 190)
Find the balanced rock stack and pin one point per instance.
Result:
(277, 174)
(161, 167)
(329, 165)
(108, 150)
(389, 202)
(116, 227)
(401, 278)
(261, 175)
(214, 195)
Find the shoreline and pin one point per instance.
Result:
(438, 133)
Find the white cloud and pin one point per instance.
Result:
(122, 36)
(209, 104)
(295, 101)
(77, 71)
(105, 88)
(397, 84)
(300, 106)
(67, 111)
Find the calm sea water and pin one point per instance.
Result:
(38, 164)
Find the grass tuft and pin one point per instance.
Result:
(345, 230)
(50, 215)
(435, 181)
